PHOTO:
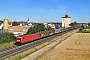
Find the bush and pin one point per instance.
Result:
(87, 27)
(85, 30)
(81, 29)
(7, 37)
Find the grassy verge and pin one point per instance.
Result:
(6, 45)
(30, 51)
(46, 52)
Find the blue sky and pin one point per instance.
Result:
(45, 10)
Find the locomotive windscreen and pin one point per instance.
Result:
(18, 38)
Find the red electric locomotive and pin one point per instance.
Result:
(27, 38)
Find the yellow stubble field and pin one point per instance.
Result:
(76, 47)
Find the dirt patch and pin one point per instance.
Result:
(76, 47)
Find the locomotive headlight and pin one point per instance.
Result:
(18, 40)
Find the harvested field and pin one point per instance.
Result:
(76, 47)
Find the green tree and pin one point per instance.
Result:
(88, 24)
(48, 28)
(39, 27)
(30, 30)
(7, 37)
(73, 23)
(14, 23)
(36, 28)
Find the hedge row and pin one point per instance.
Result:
(7, 38)
(85, 30)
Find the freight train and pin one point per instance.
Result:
(28, 38)
(21, 39)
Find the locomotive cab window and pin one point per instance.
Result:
(18, 38)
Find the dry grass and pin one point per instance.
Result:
(6, 45)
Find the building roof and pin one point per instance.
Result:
(18, 29)
(66, 16)
(9, 23)
(0, 23)
(15, 29)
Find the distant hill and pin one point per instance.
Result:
(1, 21)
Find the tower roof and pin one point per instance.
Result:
(66, 16)
(28, 19)
(5, 18)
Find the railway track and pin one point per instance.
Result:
(13, 50)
